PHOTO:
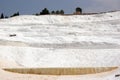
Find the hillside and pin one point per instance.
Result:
(50, 41)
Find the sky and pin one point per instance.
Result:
(8, 7)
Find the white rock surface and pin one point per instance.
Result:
(61, 41)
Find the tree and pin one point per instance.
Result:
(78, 9)
(15, 14)
(53, 12)
(37, 14)
(61, 11)
(6, 16)
(57, 12)
(2, 16)
(45, 11)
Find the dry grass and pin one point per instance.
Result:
(61, 71)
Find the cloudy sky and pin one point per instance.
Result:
(8, 7)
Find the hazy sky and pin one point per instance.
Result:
(8, 7)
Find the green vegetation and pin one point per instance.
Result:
(52, 12)
(62, 12)
(2, 16)
(15, 14)
(57, 12)
(45, 11)
(78, 9)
